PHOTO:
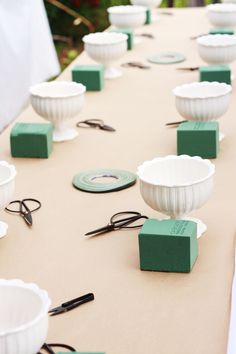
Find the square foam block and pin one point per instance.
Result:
(148, 17)
(129, 33)
(31, 140)
(91, 76)
(221, 31)
(168, 245)
(220, 73)
(198, 139)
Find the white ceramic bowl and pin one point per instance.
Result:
(176, 185)
(106, 47)
(151, 4)
(24, 317)
(128, 16)
(222, 15)
(57, 101)
(7, 187)
(202, 101)
(217, 49)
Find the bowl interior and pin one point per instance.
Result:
(175, 172)
(57, 89)
(5, 174)
(202, 90)
(104, 38)
(126, 9)
(217, 40)
(18, 306)
(222, 8)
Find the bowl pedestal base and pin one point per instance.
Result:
(3, 229)
(112, 73)
(64, 134)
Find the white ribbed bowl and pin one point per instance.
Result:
(151, 4)
(105, 48)
(7, 187)
(57, 101)
(176, 185)
(127, 16)
(222, 15)
(217, 49)
(202, 101)
(24, 317)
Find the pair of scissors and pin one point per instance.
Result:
(48, 348)
(95, 123)
(23, 209)
(121, 220)
(71, 304)
(193, 68)
(136, 64)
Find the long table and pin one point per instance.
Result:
(134, 312)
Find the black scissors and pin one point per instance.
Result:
(193, 68)
(121, 220)
(95, 123)
(71, 304)
(24, 210)
(136, 64)
(48, 348)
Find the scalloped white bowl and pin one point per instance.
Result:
(127, 16)
(222, 15)
(176, 185)
(7, 188)
(151, 4)
(105, 48)
(58, 101)
(217, 48)
(24, 317)
(202, 101)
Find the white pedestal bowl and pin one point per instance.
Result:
(222, 15)
(202, 101)
(57, 101)
(176, 185)
(7, 187)
(105, 48)
(127, 16)
(217, 49)
(24, 317)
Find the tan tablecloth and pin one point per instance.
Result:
(134, 312)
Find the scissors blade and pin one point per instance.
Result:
(28, 218)
(101, 230)
(107, 128)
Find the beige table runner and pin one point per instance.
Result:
(134, 312)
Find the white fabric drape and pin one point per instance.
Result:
(27, 54)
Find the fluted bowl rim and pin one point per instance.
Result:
(126, 9)
(207, 162)
(104, 38)
(38, 89)
(217, 40)
(222, 8)
(180, 91)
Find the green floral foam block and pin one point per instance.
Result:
(198, 139)
(31, 140)
(91, 76)
(168, 245)
(220, 73)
